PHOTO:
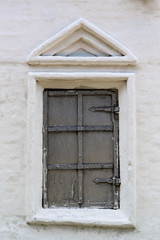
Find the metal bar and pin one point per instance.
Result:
(115, 153)
(80, 128)
(115, 181)
(80, 166)
(104, 109)
(45, 147)
(80, 160)
(59, 93)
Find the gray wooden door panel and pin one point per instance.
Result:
(62, 110)
(95, 194)
(81, 149)
(62, 147)
(62, 188)
(97, 147)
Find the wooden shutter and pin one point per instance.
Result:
(81, 163)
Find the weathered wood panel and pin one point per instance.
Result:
(82, 153)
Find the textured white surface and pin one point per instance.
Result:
(26, 24)
(84, 31)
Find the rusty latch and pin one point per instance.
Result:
(116, 181)
(104, 109)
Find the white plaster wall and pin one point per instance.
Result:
(23, 26)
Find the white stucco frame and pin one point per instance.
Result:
(37, 58)
(124, 82)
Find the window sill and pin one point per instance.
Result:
(83, 217)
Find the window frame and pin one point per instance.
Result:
(124, 82)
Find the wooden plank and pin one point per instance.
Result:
(80, 160)
(45, 149)
(62, 187)
(62, 111)
(116, 152)
(95, 194)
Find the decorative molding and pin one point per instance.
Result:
(125, 83)
(81, 43)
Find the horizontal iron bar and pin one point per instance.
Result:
(80, 166)
(79, 128)
(104, 109)
(74, 92)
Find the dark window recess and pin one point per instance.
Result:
(80, 149)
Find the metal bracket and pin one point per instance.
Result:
(114, 180)
(104, 109)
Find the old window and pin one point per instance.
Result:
(81, 161)
(79, 190)
(124, 216)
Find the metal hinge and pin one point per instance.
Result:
(105, 109)
(114, 180)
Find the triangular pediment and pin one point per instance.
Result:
(81, 43)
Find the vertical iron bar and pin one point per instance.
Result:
(45, 147)
(115, 153)
(80, 172)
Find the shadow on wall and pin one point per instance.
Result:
(150, 3)
(146, 6)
